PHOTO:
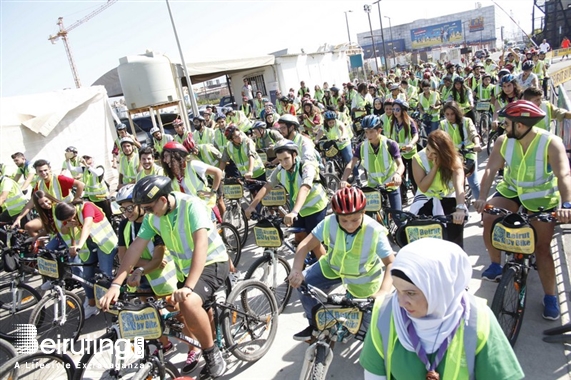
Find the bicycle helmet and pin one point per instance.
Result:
(334, 89)
(402, 103)
(289, 120)
(503, 72)
(121, 127)
(286, 145)
(126, 140)
(151, 188)
(175, 147)
(228, 110)
(218, 117)
(527, 65)
(329, 115)
(390, 101)
(189, 143)
(71, 149)
(486, 75)
(177, 122)
(523, 111)
(125, 194)
(154, 130)
(259, 125)
(348, 201)
(371, 121)
(458, 80)
(284, 99)
(507, 79)
(229, 132)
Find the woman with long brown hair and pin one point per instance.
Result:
(312, 119)
(439, 174)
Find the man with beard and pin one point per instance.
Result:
(148, 166)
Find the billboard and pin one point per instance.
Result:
(476, 24)
(449, 33)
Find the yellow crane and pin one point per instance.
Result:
(63, 31)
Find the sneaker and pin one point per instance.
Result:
(493, 273)
(167, 349)
(551, 308)
(90, 311)
(215, 364)
(48, 285)
(235, 277)
(305, 334)
(192, 360)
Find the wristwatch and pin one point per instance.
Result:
(141, 269)
(462, 207)
(566, 205)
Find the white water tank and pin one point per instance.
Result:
(147, 80)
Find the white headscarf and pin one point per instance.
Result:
(441, 270)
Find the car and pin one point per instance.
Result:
(227, 101)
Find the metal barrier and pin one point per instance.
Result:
(563, 128)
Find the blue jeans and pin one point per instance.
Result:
(396, 202)
(433, 127)
(474, 181)
(88, 272)
(314, 276)
(347, 156)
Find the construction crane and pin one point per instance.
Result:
(63, 31)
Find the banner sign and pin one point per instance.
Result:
(439, 34)
(476, 24)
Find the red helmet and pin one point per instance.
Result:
(175, 147)
(189, 143)
(229, 132)
(348, 201)
(523, 111)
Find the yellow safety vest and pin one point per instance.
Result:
(545, 123)
(402, 138)
(430, 101)
(180, 139)
(128, 167)
(381, 166)
(241, 159)
(55, 189)
(454, 132)
(437, 189)
(94, 189)
(316, 199)
(155, 170)
(334, 134)
(205, 136)
(16, 200)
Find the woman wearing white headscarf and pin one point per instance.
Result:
(431, 327)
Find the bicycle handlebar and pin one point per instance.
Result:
(541, 215)
(335, 299)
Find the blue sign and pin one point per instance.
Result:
(449, 33)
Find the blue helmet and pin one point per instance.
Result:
(507, 78)
(330, 115)
(371, 121)
(402, 103)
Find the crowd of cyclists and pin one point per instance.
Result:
(410, 131)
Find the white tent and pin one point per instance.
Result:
(42, 126)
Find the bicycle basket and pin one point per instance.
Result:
(275, 197)
(99, 291)
(419, 229)
(512, 233)
(10, 261)
(374, 199)
(482, 106)
(326, 316)
(233, 189)
(140, 321)
(268, 234)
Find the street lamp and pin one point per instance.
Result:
(378, 2)
(392, 41)
(347, 22)
(367, 9)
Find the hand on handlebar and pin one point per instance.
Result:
(458, 216)
(479, 205)
(248, 211)
(343, 184)
(564, 215)
(295, 278)
(289, 218)
(477, 148)
(397, 179)
(110, 297)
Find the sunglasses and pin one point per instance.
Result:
(396, 109)
(128, 209)
(149, 209)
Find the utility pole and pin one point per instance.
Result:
(378, 2)
(367, 9)
(347, 22)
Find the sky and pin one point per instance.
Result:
(207, 30)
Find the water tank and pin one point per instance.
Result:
(147, 80)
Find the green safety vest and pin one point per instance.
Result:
(461, 354)
(361, 103)
(129, 168)
(359, 267)
(464, 106)
(402, 139)
(160, 144)
(208, 154)
(334, 134)
(101, 233)
(445, 93)
(430, 101)
(241, 159)
(219, 139)
(298, 139)
(246, 108)
(180, 139)
(476, 82)
(485, 93)
(194, 183)
(335, 100)
(538, 70)
(412, 96)
(54, 190)
(454, 132)
(178, 236)
(316, 199)
(380, 167)
(386, 124)
(437, 189)
(162, 280)
(528, 175)
(206, 136)
(155, 170)
(545, 123)
(241, 120)
(94, 189)
(16, 200)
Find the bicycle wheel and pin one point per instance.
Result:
(263, 270)
(231, 238)
(249, 320)
(151, 370)
(508, 304)
(491, 141)
(38, 366)
(320, 365)
(49, 324)
(7, 351)
(484, 128)
(388, 222)
(16, 310)
(237, 217)
(101, 362)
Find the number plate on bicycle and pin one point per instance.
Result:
(48, 268)
(327, 317)
(233, 191)
(99, 292)
(416, 232)
(332, 151)
(483, 106)
(275, 197)
(144, 323)
(267, 237)
(374, 200)
(517, 240)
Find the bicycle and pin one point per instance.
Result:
(493, 137)
(378, 207)
(272, 268)
(516, 238)
(245, 324)
(7, 351)
(17, 299)
(484, 115)
(423, 124)
(337, 319)
(38, 366)
(414, 227)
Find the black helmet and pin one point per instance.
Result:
(459, 80)
(71, 149)
(151, 188)
(527, 65)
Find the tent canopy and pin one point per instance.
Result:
(198, 71)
